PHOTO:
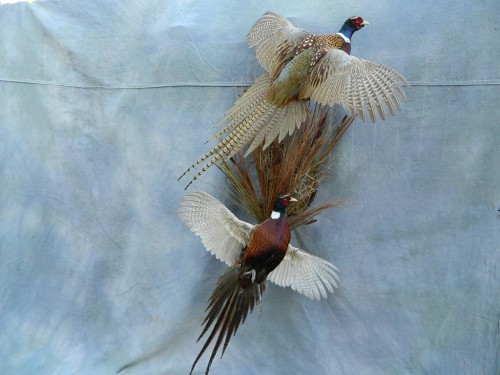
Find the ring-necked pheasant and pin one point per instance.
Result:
(301, 66)
(254, 253)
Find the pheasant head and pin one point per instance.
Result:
(352, 24)
(280, 205)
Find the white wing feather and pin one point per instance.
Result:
(362, 87)
(220, 231)
(274, 39)
(305, 273)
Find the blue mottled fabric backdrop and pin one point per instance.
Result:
(105, 103)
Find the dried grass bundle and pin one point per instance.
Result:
(295, 165)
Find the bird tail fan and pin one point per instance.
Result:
(252, 119)
(228, 307)
(245, 105)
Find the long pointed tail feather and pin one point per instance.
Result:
(252, 119)
(245, 105)
(228, 307)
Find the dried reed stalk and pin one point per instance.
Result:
(296, 165)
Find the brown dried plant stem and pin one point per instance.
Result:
(295, 165)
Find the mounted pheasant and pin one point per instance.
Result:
(255, 253)
(301, 66)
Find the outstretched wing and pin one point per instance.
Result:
(360, 86)
(221, 232)
(305, 273)
(274, 39)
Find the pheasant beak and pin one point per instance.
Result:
(364, 23)
(292, 199)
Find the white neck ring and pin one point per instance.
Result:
(347, 40)
(275, 215)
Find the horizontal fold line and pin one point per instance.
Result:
(458, 83)
(124, 87)
(213, 84)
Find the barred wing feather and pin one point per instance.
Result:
(220, 231)
(274, 39)
(362, 87)
(305, 273)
